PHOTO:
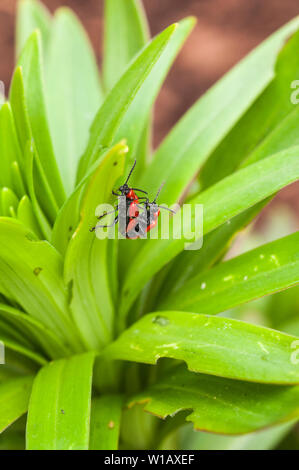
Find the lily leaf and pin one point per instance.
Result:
(86, 259)
(126, 32)
(201, 130)
(117, 102)
(270, 268)
(31, 272)
(237, 193)
(34, 331)
(9, 146)
(25, 214)
(14, 398)
(32, 15)
(75, 91)
(59, 407)
(20, 114)
(211, 345)
(31, 64)
(220, 405)
(105, 422)
(259, 133)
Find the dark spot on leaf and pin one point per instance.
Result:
(30, 237)
(37, 270)
(162, 321)
(70, 228)
(114, 163)
(62, 412)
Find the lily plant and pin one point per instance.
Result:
(103, 337)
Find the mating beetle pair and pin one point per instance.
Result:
(141, 214)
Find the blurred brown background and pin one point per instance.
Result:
(226, 31)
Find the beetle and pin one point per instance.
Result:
(132, 200)
(145, 221)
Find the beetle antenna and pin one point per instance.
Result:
(159, 190)
(167, 209)
(141, 190)
(131, 171)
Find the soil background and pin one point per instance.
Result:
(226, 31)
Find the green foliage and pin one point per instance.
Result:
(81, 355)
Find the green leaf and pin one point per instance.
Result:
(135, 119)
(31, 64)
(31, 15)
(31, 273)
(73, 94)
(105, 422)
(26, 215)
(86, 259)
(17, 346)
(221, 405)
(189, 264)
(126, 32)
(9, 146)
(115, 106)
(69, 215)
(270, 268)
(17, 178)
(34, 331)
(199, 132)
(39, 179)
(237, 193)
(212, 345)
(14, 398)
(59, 407)
(8, 200)
(260, 133)
(30, 181)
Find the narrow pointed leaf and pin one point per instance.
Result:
(126, 32)
(259, 133)
(8, 200)
(31, 63)
(45, 195)
(31, 15)
(73, 94)
(115, 106)
(18, 182)
(59, 408)
(9, 146)
(203, 127)
(263, 271)
(189, 264)
(135, 119)
(26, 215)
(31, 184)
